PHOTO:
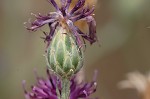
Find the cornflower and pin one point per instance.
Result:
(46, 88)
(63, 17)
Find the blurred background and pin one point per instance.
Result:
(123, 28)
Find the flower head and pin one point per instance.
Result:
(64, 56)
(66, 18)
(47, 88)
(138, 81)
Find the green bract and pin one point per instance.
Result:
(64, 56)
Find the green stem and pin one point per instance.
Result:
(57, 91)
(65, 89)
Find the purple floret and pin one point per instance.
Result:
(46, 88)
(65, 17)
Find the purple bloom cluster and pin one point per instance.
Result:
(46, 88)
(66, 18)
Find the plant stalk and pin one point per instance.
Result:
(65, 88)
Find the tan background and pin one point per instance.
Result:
(122, 26)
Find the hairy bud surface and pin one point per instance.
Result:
(64, 56)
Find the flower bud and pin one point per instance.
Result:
(64, 56)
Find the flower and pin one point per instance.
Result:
(66, 18)
(137, 81)
(47, 88)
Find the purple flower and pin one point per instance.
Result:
(46, 88)
(66, 18)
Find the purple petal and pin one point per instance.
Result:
(63, 2)
(92, 28)
(79, 12)
(85, 13)
(39, 91)
(49, 37)
(54, 4)
(90, 11)
(79, 4)
(68, 3)
(25, 91)
(75, 33)
(86, 36)
(39, 23)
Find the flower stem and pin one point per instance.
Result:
(65, 89)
